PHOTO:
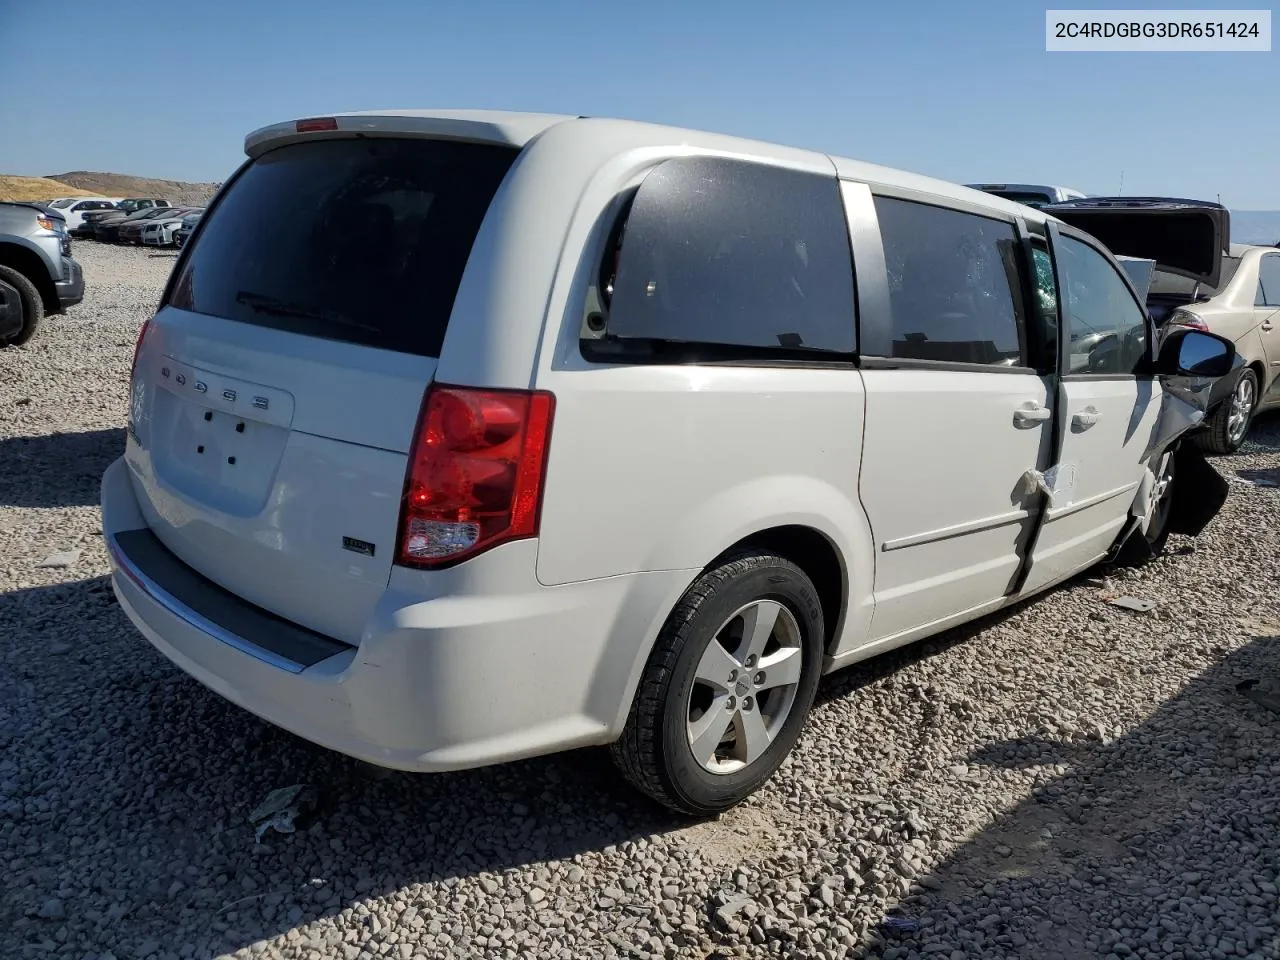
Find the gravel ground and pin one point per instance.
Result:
(1068, 780)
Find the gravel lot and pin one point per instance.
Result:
(1069, 780)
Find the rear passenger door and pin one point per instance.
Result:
(1110, 406)
(957, 413)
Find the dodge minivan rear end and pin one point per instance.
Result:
(304, 519)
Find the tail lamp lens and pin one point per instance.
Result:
(137, 346)
(475, 473)
(1182, 318)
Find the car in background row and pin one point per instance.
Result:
(73, 209)
(1204, 282)
(133, 204)
(89, 219)
(188, 226)
(108, 230)
(1034, 195)
(38, 275)
(163, 231)
(131, 230)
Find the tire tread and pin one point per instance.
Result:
(32, 305)
(638, 752)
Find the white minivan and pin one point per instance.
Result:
(518, 433)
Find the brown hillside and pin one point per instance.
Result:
(123, 185)
(35, 188)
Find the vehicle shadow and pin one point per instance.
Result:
(56, 469)
(158, 777)
(1160, 843)
(1264, 434)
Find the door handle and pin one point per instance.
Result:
(1267, 326)
(1086, 418)
(1030, 414)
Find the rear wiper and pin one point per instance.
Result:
(263, 303)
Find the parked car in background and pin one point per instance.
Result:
(491, 336)
(132, 232)
(108, 230)
(188, 226)
(38, 275)
(91, 218)
(75, 208)
(162, 231)
(1034, 195)
(1202, 281)
(133, 204)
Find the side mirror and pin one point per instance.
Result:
(1195, 353)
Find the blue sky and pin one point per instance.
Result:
(964, 92)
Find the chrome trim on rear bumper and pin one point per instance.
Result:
(180, 610)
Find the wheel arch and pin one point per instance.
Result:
(814, 553)
(31, 265)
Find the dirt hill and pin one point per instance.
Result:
(122, 185)
(35, 188)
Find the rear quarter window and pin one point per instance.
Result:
(359, 240)
(732, 255)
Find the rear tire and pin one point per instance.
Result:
(727, 687)
(1225, 431)
(32, 305)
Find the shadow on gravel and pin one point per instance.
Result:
(1163, 843)
(57, 469)
(1264, 434)
(140, 826)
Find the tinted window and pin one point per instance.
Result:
(954, 285)
(357, 240)
(61, 204)
(1269, 281)
(1106, 327)
(738, 254)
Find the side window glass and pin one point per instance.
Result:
(1106, 327)
(732, 254)
(954, 284)
(1269, 281)
(1046, 286)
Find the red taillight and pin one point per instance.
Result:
(316, 124)
(475, 473)
(1181, 318)
(137, 346)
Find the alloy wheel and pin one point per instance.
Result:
(1241, 409)
(744, 686)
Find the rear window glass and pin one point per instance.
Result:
(1173, 284)
(361, 240)
(735, 254)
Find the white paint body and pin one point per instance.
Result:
(653, 471)
(73, 209)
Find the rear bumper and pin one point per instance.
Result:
(70, 288)
(459, 668)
